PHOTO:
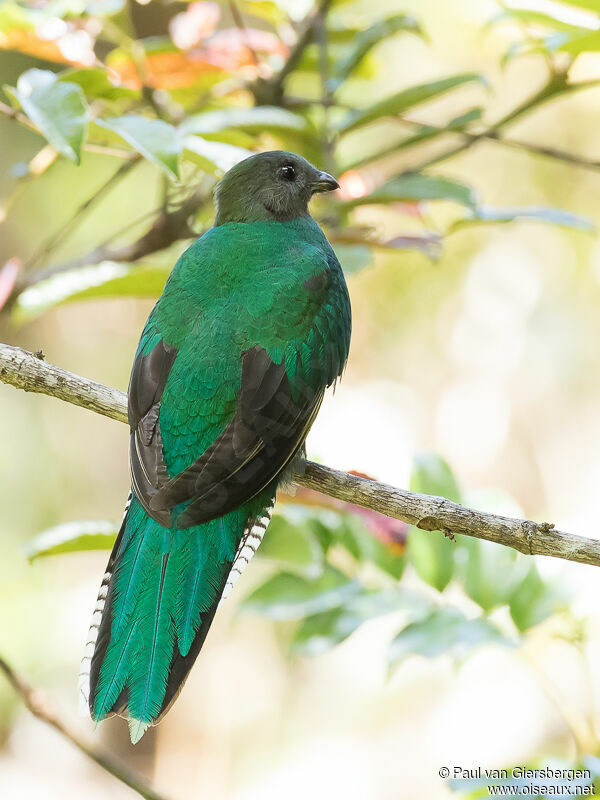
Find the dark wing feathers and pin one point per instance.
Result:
(266, 431)
(269, 426)
(146, 386)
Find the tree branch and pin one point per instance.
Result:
(241, 26)
(41, 708)
(271, 92)
(494, 135)
(56, 238)
(168, 228)
(555, 86)
(28, 371)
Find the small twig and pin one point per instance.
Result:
(326, 94)
(19, 116)
(493, 135)
(56, 238)
(24, 371)
(39, 706)
(579, 727)
(169, 227)
(241, 26)
(270, 92)
(554, 86)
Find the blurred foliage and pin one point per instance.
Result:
(192, 89)
(181, 92)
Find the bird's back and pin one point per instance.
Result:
(277, 285)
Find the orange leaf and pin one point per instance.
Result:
(167, 69)
(63, 42)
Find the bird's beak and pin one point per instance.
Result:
(324, 182)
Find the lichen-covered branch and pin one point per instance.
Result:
(30, 372)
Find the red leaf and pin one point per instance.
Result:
(8, 276)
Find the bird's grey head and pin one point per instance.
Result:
(269, 186)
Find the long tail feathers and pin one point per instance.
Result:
(155, 606)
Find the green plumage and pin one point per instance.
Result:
(271, 286)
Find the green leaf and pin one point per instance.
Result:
(534, 600)
(264, 9)
(406, 99)
(57, 108)
(154, 139)
(292, 544)
(418, 186)
(96, 83)
(546, 45)
(320, 632)
(432, 555)
(584, 42)
(214, 157)
(256, 119)
(431, 474)
(486, 214)
(365, 546)
(73, 537)
(383, 556)
(287, 596)
(431, 552)
(591, 5)
(445, 630)
(369, 38)
(555, 21)
(15, 17)
(106, 279)
(492, 573)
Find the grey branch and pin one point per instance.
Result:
(29, 372)
(39, 706)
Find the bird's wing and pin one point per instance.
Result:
(270, 423)
(212, 425)
(148, 469)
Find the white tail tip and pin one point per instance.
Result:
(137, 729)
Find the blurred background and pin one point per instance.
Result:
(356, 657)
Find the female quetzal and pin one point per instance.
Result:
(252, 327)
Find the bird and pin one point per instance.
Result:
(252, 327)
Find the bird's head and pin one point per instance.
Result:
(269, 186)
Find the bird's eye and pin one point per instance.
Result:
(288, 173)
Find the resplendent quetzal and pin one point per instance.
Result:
(252, 326)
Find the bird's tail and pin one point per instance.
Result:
(156, 603)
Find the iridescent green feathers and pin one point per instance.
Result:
(165, 589)
(253, 325)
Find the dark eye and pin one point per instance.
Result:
(288, 173)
